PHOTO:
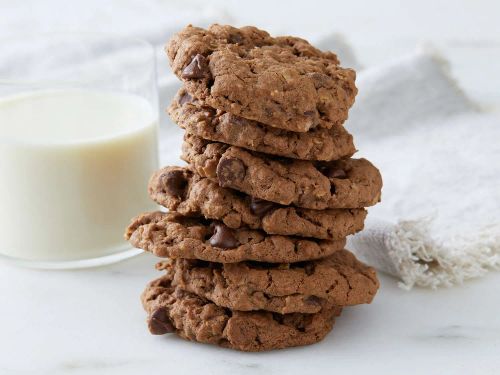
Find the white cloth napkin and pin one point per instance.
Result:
(439, 220)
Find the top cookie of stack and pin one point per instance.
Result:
(282, 82)
(268, 198)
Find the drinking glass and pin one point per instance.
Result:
(78, 143)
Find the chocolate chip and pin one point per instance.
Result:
(235, 38)
(223, 237)
(260, 207)
(334, 172)
(185, 98)
(309, 268)
(197, 68)
(160, 323)
(313, 300)
(174, 183)
(300, 326)
(309, 113)
(278, 318)
(163, 283)
(230, 171)
(338, 173)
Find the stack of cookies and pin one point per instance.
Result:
(254, 236)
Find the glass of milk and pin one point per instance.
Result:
(78, 143)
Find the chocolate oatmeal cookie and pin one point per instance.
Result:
(181, 190)
(175, 236)
(282, 82)
(345, 183)
(216, 125)
(304, 287)
(172, 310)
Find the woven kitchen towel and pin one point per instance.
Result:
(439, 220)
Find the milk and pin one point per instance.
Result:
(74, 166)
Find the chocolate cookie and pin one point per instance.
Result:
(345, 183)
(216, 125)
(282, 82)
(175, 236)
(304, 287)
(181, 190)
(172, 310)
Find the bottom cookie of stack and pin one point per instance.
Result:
(173, 310)
(255, 306)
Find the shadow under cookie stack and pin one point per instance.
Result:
(254, 238)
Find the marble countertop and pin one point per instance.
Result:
(91, 322)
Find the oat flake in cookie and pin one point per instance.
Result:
(194, 318)
(203, 121)
(282, 82)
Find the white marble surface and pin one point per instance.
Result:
(91, 322)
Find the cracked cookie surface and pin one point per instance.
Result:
(175, 236)
(172, 310)
(304, 287)
(282, 82)
(203, 121)
(345, 183)
(181, 190)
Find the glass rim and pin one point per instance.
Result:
(88, 34)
